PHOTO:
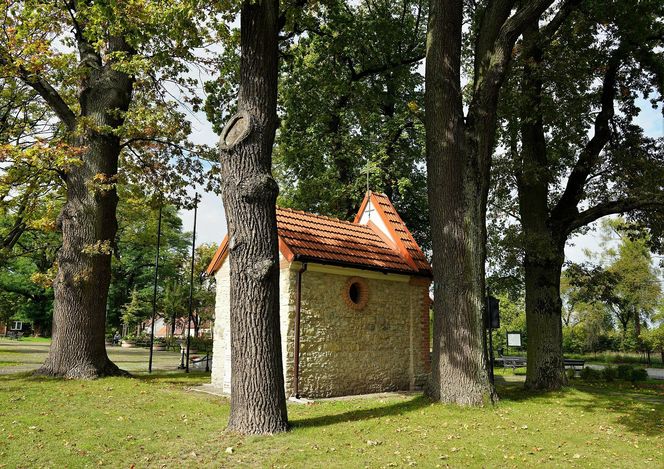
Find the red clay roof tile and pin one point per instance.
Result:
(308, 237)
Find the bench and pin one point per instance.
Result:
(520, 362)
(15, 335)
(574, 364)
(512, 362)
(204, 362)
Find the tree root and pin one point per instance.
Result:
(83, 371)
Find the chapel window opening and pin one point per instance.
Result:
(356, 293)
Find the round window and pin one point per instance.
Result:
(356, 293)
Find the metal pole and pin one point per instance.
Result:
(191, 282)
(489, 324)
(493, 379)
(181, 365)
(154, 291)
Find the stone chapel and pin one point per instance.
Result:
(354, 304)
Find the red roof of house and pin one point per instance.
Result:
(308, 237)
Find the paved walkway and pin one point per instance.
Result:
(17, 356)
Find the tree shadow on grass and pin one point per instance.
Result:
(176, 377)
(514, 391)
(398, 408)
(21, 350)
(18, 376)
(640, 412)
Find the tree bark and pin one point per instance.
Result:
(543, 318)
(544, 241)
(88, 223)
(258, 402)
(456, 192)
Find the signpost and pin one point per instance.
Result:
(514, 339)
(493, 322)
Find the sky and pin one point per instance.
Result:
(211, 221)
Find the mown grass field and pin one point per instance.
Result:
(157, 421)
(29, 353)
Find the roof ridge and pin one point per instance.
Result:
(312, 237)
(338, 220)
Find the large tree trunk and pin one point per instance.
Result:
(258, 402)
(543, 317)
(457, 207)
(544, 247)
(88, 223)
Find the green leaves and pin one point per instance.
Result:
(572, 69)
(349, 87)
(625, 284)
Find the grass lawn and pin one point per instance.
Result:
(45, 340)
(4, 363)
(155, 421)
(30, 352)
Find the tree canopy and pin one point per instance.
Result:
(350, 103)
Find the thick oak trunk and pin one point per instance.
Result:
(544, 316)
(544, 242)
(258, 402)
(88, 224)
(457, 206)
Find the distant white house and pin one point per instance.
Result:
(162, 327)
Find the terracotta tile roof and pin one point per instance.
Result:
(401, 232)
(308, 237)
(318, 238)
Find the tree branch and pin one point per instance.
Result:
(493, 17)
(498, 34)
(549, 30)
(357, 76)
(282, 20)
(47, 92)
(613, 207)
(590, 154)
(515, 24)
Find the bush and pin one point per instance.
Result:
(571, 374)
(638, 374)
(202, 344)
(142, 340)
(624, 372)
(590, 374)
(609, 373)
(572, 343)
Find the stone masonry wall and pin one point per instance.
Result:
(383, 347)
(221, 331)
